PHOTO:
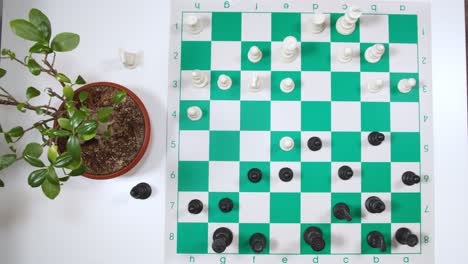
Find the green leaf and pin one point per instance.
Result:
(7, 138)
(52, 153)
(58, 133)
(50, 190)
(34, 161)
(104, 114)
(2, 72)
(75, 164)
(16, 132)
(68, 92)
(33, 149)
(77, 117)
(64, 179)
(9, 53)
(20, 107)
(106, 133)
(62, 78)
(34, 67)
(1, 128)
(7, 160)
(41, 21)
(80, 80)
(119, 96)
(2, 184)
(37, 177)
(87, 137)
(83, 96)
(78, 172)
(26, 30)
(74, 148)
(87, 127)
(64, 160)
(39, 48)
(65, 123)
(32, 92)
(39, 111)
(52, 176)
(65, 42)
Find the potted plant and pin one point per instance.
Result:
(100, 130)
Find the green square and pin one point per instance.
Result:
(285, 208)
(406, 208)
(255, 115)
(232, 93)
(376, 177)
(284, 25)
(196, 55)
(326, 231)
(186, 123)
(385, 229)
(316, 116)
(192, 246)
(245, 233)
(346, 146)
(396, 95)
(277, 154)
(353, 200)
(316, 56)
(215, 215)
(246, 185)
(346, 86)
(226, 26)
(337, 37)
(277, 94)
(193, 176)
(375, 116)
(264, 64)
(403, 28)
(381, 66)
(406, 147)
(224, 145)
(316, 177)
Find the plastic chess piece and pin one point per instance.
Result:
(375, 53)
(313, 236)
(224, 82)
(376, 138)
(254, 175)
(256, 83)
(346, 24)
(199, 79)
(375, 86)
(290, 49)
(194, 113)
(375, 205)
(286, 144)
(226, 205)
(410, 178)
(345, 173)
(341, 211)
(193, 24)
(346, 55)
(406, 85)
(195, 206)
(318, 23)
(375, 239)
(255, 54)
(141, 191)
(286, 174)
(258, 242)
(222, 238)
(287, 85)
(314, 144)
(405, 237)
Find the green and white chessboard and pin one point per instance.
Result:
(209, 159)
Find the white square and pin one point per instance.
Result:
(398, 168)
(374, 28)
(398, 248)
(190, 92)
(346, 238)
(285, 238)
(277, 62)
(264, 94)
(285, 116)
(226, 55)
(352, 185)
(205, 34)
(256, 27)
(277, 185)
(315, 208)
(224, 115)
(324, 154)
(184, 215)
(380, 153)
(194, 145)
(381, 96)
(346, 116)
(384, 217)
(404, 58)
(316, 86)
(306, 27)
(234, 247)
(337, 49)
(254, 207)
(224, 176)
(254, 146)
(405, 117)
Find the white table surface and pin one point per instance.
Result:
(96, 222)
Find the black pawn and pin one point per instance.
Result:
(375, 239)
(410, 178)
(376, 138)
(258, 242)
(314, 143)
(345, 173)
(254, 175)
(222, 238)
(286, 174)
(374, 205)
(341, 211)
(313, 236)
(141, 191)
(405, 237)
(225, 205)
(195, 206)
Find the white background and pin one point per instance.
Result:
(97, 221)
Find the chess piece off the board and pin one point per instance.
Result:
(141, 191)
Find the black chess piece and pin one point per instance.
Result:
(376, 138)
(375, 239)
(345, 173)
(410, 178)
(195, 206)
(141, 191)
(258, 242)
(313, 236)
(341, 211)
(314, 143)
(226, 205)
(375, 205)
(254, 175)
(405, 237)
(222, 238)
(286, 174)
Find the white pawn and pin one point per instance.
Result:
(224, 82)
(255, 54)
(193, 24)
(375, 86)
(287, 85)
(286, 143)
(194, 113)
(199, 79)
(346, 55)
(290, 49)
(347, 23)
(406, 85)
(318, 23)
(256, 83)
(374, 53)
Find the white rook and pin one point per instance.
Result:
(347, 23)
(374, 53)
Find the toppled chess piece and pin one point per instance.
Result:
(341, 211)
(375, 205)
(222, 238)
(375, 239)
(346, 24)
(195, 206)
(345, 173)
(405, 237)
(141, 191)
(258, 242)
(410, 178)
(313, 236)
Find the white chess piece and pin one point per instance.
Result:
(374, 53)
(318, 23)
(375, 86)
(255, 54)
(346, 55)
(347, 23)
(406, 85)
(256, 83)
(193, 24)
(290, 49)
(287, 85)
(199, 79)
(194, 113)
(224, 82)
(286, 143)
